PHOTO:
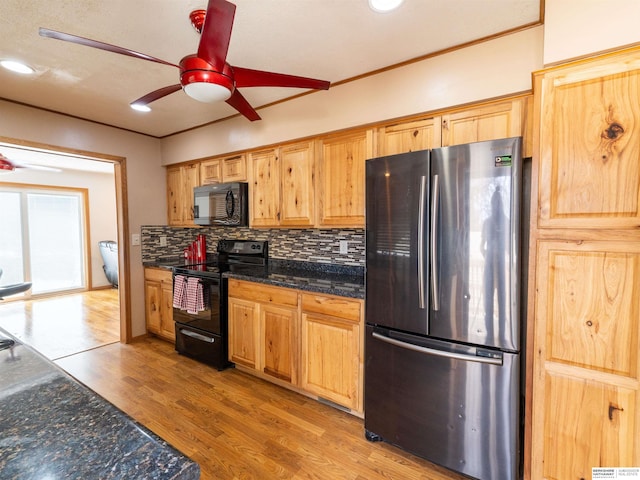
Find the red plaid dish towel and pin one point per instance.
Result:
(195, 296)
(179, 292)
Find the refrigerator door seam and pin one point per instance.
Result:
(439, 353)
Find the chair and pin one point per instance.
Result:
(6, 290)
(109, 252)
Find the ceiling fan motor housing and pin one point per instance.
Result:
(202, 82)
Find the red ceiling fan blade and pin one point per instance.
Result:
(157, 94)
(245, 77)
(240, 103)
(216, 33)
(45, 32)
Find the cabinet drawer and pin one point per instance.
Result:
(262, 293)
(349, 309)
(158, 274)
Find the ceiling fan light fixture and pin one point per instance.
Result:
(383, 6)
(17, 67)
(207, 92)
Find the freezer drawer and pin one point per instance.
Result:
(463, 414)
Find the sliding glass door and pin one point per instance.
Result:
(42, 239)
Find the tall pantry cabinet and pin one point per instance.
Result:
(585, 268)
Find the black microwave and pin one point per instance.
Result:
(222, 204)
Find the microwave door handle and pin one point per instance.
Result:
(230, 204)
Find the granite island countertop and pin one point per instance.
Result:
(53, 427)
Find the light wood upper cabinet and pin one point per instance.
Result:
(181, 180)
(297, 184)
(264, 188)
(341, 178)
(223, 169)
(487, 122)
(282, 186)
(158, 298)
(590, 153)
(409, 136)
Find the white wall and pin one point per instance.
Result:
(146, 184)
(574, 28)
(102, 206)
(498, 67)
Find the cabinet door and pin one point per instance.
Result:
(342, 178)
(244, 332)
(264, 194)
(167, 325)
(297, 174)
(153, 305)
(332, 353)
(279, 336)
(589, 149)
(489, 122)
(234, 168)
(191, 179)
(586, 407)
(409, 137)
(211, 171)
(174, 194)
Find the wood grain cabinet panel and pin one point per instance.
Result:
(590, 153)
(244, 332)
(341, 180)
(158, 300)
(297, 203)
(264, 194)
(279, 336)
(181, 180)
(409, 136)
(486, 122)
(223, 169)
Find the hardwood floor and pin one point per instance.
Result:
(64, 324)
(234, 425)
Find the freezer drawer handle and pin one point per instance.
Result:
(423, 190)
(439, 353)
(197, 336)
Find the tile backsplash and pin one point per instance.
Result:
(307, 245)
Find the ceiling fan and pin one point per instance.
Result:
(206, 76)
(7, 165)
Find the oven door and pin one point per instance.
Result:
(204, 346)
(209, 319)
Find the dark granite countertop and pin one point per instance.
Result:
(343, 280)
(51, 426)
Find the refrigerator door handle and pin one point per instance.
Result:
(423, 194)
(433, 247)
(439, 353)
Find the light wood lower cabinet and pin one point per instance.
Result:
(332, 353)
(158, 301)
(264, 329)
(308, 342)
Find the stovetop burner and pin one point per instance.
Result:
(233, 255)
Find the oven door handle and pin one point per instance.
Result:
(197, 336)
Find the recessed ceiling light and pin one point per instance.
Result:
(17, 67)
(383, 6)
(140, 108)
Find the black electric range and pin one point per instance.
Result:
(200, 299)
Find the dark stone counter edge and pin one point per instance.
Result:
(331, 279)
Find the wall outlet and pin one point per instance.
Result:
(163, 240)
(135, 239)
(344, 247)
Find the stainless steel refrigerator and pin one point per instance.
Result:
(443, 329)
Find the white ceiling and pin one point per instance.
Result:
(333, 40)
